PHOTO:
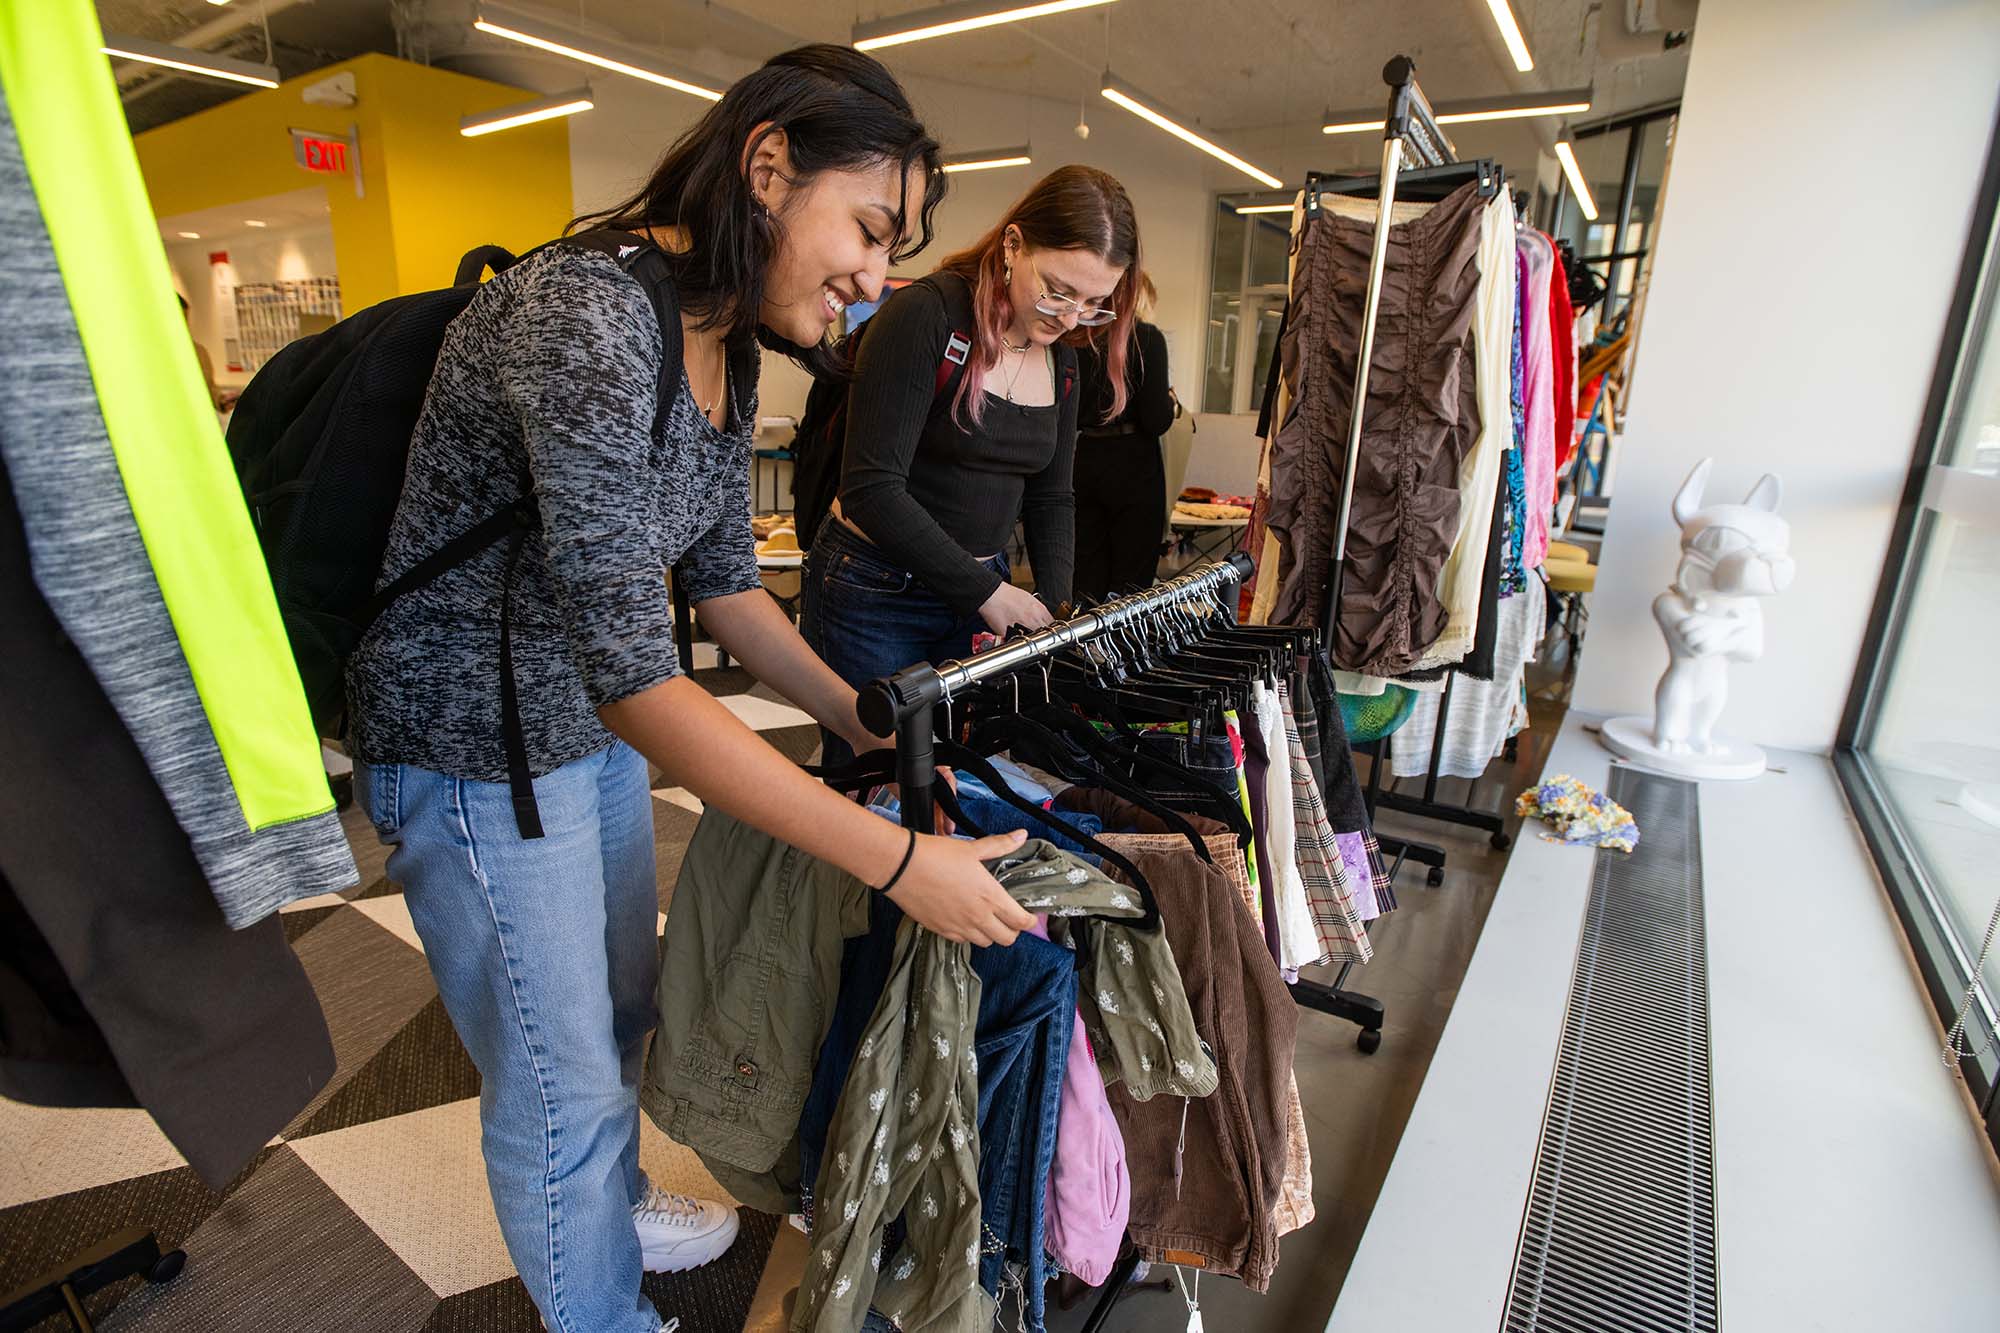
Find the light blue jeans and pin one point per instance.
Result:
(546, 954)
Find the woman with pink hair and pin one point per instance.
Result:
(961, 421)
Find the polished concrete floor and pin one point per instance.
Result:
(1356, 1105)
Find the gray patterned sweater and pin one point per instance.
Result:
(552, 373)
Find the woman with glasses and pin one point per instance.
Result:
(962, 420)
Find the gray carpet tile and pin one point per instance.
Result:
(422, 1066)
(712, 1299)
(37, 1237)
(715, 1298)
(672, 829)
(798, 744)
(282, 1255)
(297, 923)
(369, 984)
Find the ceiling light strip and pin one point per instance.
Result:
(518, 26)
(1123, 94)
(1243, 209)
(945, 20)
(190, 61)
(1566, 154)
(1561, 102)
(990, 159)
(1510, 33)
(526, 113)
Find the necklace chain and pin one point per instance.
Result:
(1019, 366)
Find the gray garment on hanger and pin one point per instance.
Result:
(90, 563)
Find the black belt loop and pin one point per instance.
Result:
(527, 815)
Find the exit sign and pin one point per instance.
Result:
(329, 154)
(317, 154)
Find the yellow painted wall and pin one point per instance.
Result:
(430, 194)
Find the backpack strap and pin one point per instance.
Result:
(646, 263)
(957, 348)
(477, 261)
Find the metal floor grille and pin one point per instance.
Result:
(1619, 1232)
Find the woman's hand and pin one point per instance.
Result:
(1010, 606)
(947, 890)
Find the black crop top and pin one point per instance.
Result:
(933, 496)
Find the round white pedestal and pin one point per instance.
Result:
(1631, 738)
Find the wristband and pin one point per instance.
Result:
(908, 852)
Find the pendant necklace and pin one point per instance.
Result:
(1019, 366)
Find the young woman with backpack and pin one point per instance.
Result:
(788, 200)
(912, 562)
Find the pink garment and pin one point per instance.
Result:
(1090, 1187)
(1538, 399)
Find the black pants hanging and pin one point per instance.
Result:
(1121, 513)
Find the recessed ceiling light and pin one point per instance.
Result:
(189, 235)
(1123, 94)
(514, 25)
(255, 222)
(526, 113)
(965, 16)
(989, 159)
(1567, 156)
(190, 61)
(1562, 102)
(1510, 33)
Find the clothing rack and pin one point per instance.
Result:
(904, 705)
(1411, 127)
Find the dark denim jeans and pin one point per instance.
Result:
(1027, 1013)
(993, 816)
(1027, 1007)
(868, 618)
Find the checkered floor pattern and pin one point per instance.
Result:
(369, 1214)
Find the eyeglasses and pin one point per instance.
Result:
(1055, 305)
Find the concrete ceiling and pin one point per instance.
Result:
(1232, 66)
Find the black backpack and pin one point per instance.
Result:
(320, 440)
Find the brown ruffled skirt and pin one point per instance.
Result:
(1422, 418)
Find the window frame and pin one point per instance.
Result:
(1942, 959)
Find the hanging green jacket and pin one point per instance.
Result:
(749, 971)
(906, 1131)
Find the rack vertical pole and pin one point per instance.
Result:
(1392, 161)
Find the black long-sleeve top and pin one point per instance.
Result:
(1149, 403)
(934, 496)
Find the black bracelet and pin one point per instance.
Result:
(908, 852)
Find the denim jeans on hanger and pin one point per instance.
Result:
(868, 618)
(1027, 1007)
(1027, 1014)
(994, 816)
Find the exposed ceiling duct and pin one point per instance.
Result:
(134, 76)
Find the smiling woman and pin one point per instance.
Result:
(961, 421)
(557, 396)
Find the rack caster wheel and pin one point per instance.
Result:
(1501, 842)
(1368, 1040)
(167, 1267)
(1434, 876)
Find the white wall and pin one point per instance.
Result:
(613, 147)
(1821, 197)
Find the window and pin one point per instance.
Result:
(1247, 288)
(1920, 745)
(1609, 156)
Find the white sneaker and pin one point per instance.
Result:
(677, 1233)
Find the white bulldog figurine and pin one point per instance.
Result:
(1732, 555)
